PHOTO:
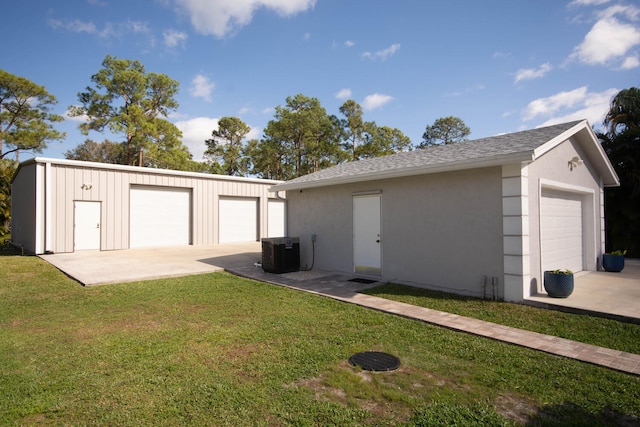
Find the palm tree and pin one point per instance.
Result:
(621, 142)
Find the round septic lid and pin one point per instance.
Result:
(375, 361)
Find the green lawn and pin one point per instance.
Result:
(220, 350)
(588, 329)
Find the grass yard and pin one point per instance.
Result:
(224, 351)
(588, 329)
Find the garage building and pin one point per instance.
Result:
(482, 218)
(63, 206)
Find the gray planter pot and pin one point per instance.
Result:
(558, 285)
(613, 263)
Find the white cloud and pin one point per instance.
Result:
(532, 73)
(349, 43)
(306, 36)
(110, 29)
(374, 101)
(254, 133)
(174, 38)
(224, 17)
(80, 119)
(609, 39)
(382, 54)
(344, 93)
(201, 87)
(552, 104)
(194, 132)
(587, 2)
(630, 62)
(566, 106)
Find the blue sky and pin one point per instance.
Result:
(499, 65)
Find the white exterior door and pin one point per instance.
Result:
(561, 230)
(366, 235)
(159, 216)
(86, 230)
(276, 221)
(237, 219)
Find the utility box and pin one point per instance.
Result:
(281, 254)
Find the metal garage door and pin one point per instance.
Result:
(276, 220)
(237, 219)
(159, 216)
(561, 230)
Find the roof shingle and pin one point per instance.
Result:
(470, 153)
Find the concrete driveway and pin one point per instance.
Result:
(615, 295)
(101, 267)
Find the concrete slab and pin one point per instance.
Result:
(102, 267)
(614, 295)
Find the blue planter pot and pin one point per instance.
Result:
(613, 263)
(558, 285)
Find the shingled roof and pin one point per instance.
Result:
(516, 147)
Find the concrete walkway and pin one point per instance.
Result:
(95, 267)
(340, 288)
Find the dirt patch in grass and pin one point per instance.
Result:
(518, 409)
(382, 394)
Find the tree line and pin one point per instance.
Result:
(301, 138)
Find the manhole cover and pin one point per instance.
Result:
(375, 361)
(365, 281)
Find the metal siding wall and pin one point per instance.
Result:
(111, 187)
(23, 208)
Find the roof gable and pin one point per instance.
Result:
(497, 150)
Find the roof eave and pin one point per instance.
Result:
(399, 173)
(138, 169)
(590, 143)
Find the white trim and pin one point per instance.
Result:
(366, 193)
(39, 232)
(563, 186)
(138, 169)
(515, 231)
(48, 229)
(553, 143)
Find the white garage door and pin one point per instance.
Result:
(237, 219)
(159, 216)
(561, 230)
(276, 212)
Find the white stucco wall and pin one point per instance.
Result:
(552, 170)
(442, 231)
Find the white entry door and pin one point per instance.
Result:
(366, 235)
(86, 226)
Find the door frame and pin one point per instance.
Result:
(590, 217)
(375, 257)
(93, 203)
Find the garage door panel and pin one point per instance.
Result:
(561, 230)
(160, 216)
(237, 219)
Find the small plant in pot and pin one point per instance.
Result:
(558, 283)
(613, 261)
